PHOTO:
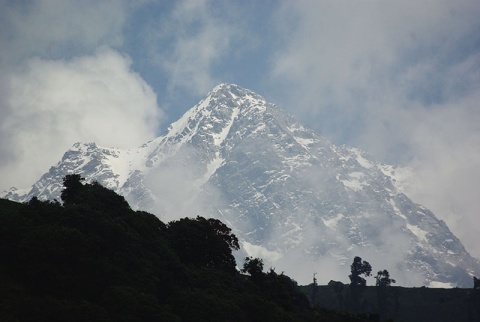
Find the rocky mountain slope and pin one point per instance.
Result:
(291, 196)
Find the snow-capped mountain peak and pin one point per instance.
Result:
(287, 192)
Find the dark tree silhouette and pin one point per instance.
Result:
(359, 268)
(93, 258)
(76, 193)
(476, 283)
(253, 266)
(222, 231)
(357, 282)
(72, 185)
(203, 242)
(383, 279)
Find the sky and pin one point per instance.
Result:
(398, 79)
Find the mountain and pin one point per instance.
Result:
(290, 195)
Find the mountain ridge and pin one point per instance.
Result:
(287, 192)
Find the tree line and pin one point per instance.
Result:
(92, 258)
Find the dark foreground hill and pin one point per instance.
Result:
(283, 188)
(92, 258)
(401, 304)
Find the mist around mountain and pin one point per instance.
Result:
(289, 194)
(93, 258)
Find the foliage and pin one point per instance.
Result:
(383, 282)
(223, 232)
(476, 283)
(359, 268)
(203, 243)
(95, 259)
(253, 266)
(383, 279)
(102, 199)
(357, 282)
(72, 185)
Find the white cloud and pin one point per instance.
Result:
(55, 28)
(190, 42)
(51, 104)
(400, 80)
(63, 80)
(447, 146)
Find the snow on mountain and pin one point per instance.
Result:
(290, 195)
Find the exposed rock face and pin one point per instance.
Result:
(286, 191)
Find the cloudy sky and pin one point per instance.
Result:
(399, 79)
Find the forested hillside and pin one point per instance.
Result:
(92, 258)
